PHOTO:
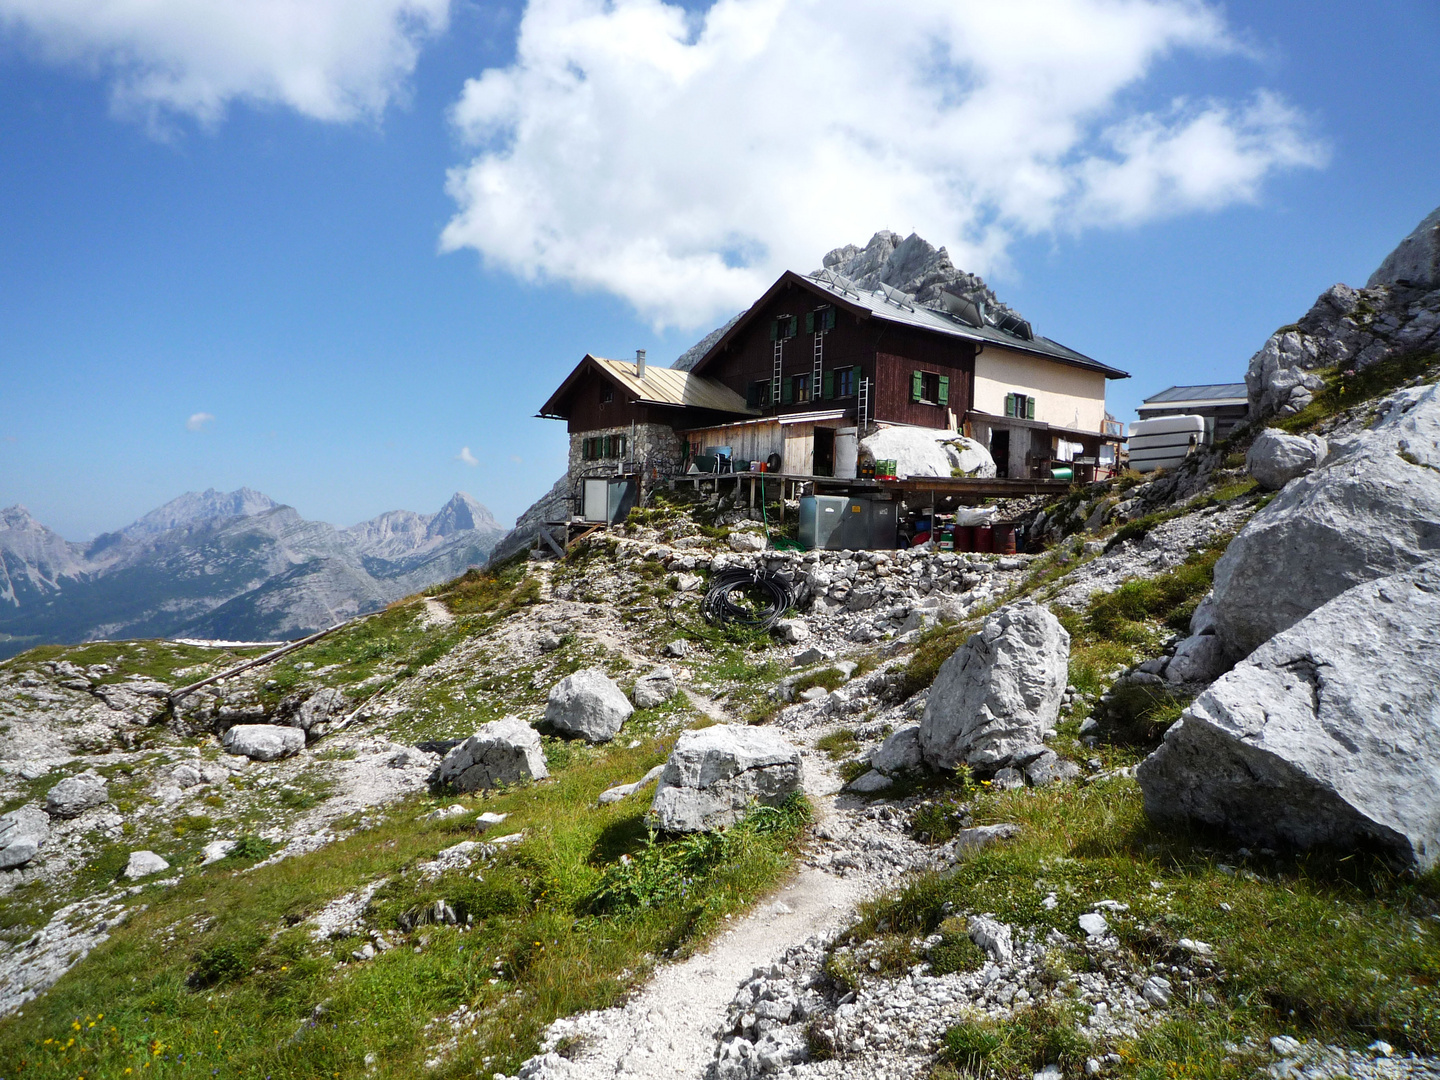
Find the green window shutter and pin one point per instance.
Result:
(775, 330)
(828, 385)
(1009, 404)
(917, 385)
(752, 395)
(809, 322)
(787, 391)
(830, 318)
(944, 395)
(1029, 408)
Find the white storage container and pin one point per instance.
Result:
(1166, 442)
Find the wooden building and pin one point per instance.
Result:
(816, 364)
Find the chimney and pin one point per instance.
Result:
(640, 364)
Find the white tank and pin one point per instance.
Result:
(1166, 442)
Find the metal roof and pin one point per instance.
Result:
(893, 307)
(661, 386)
(1211, 394)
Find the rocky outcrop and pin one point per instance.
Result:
(999, 694)
(923, 452)
(314, 712)
(505, 751)
(715, 775)
(588, 704)
(1398, 312)
(1415, 262)
(74, 795)
(911, 265)
(1275, 457)
(1371, 510)
(23, 833)
(263, 742)
(654, 688)
(900, 753)
(554, 505)
(1328, 734)
(143, 864)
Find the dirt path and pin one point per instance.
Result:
(667, 1031)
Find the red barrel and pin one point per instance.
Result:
(1005, 539)
(984, 538)
(965, 538)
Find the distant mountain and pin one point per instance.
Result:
(234, 565)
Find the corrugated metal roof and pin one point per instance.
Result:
(882, 307)
(1215, 393)
(667, 386)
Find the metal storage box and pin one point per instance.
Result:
(837, 522)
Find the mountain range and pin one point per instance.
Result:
(234, 565)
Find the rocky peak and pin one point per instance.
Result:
(462, 513)
(17, 518)
(911, 265)
(196, 506)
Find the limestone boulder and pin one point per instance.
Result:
(746, 541)
(1416, 261)
(1371, 510)
(928, 452)
(1277, 457)
(505, 751)
(899, 753)
(23, 833)
(654, 688)
(143, 864)
(263, 742)
(1327, 734)
(588, 704)
(74, 795)
(319, 709)
(715, 775)
(999, 694)
(1200, 658)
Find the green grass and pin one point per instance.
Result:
(152, 659)
(838, 745)
(1345, 388)
(1335, 947)
(1017, 1047)
(221, 971)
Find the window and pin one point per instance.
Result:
(796, 388)
(839, 383)
(1020, 406)
(607, 395)
(784, 327)
(599, 447)
(820, 320)
(757, 394)
(929, 388)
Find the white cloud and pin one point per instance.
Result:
(198, 421)
(681, 161)
(327, 59)
(466, 457)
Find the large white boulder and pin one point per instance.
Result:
(319, 708)
(588, 704)
(74, 795)
(1371, 510)
(264, 742)
(1329, 733)
(23, 833)
(143, 864)
(927, 452)
(1277, 457)
(999, 693)
(714, 775)
(505, 751)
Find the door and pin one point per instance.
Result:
(824, 451)
(1000, 450)
(595, 500)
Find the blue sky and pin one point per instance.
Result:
(360, 265)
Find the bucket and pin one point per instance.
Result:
(965, 538)
(984, 538)
(1004, 539)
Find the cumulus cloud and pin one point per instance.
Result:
(198, 421)
(465, 457)
(327, 59)
(682, 160)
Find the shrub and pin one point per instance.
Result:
(221, 964)
(955, 952)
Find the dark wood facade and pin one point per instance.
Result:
(887, 354)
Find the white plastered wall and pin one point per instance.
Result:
(1065, 396)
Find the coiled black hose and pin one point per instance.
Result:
(720, 608)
